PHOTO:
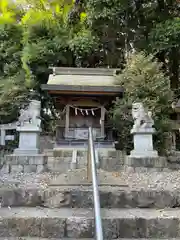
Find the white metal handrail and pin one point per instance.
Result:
(93, 169)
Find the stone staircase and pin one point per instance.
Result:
(65, 211)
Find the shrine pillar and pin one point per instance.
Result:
(102, 120)
(67, 121)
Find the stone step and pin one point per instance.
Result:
(31, 238)
(82, 197)
(79, 223)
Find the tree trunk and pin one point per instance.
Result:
(174, 68)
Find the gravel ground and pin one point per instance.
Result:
(25, 179)
(154, 180)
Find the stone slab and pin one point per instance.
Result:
(5, 169)
(144, 154)
(32, 238)
(20, 151)
(28, 128)
(79, 177)
(24, 164)
(34, 159)
(82, 197)
(151, 162)
(79, 223)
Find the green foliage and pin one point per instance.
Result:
(82, 45)
(36, 37)
(166, 35)
(13, 94)
(10, 49)
(92, 33)
(143, 81)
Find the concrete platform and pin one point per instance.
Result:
(79, 177)
(79, 223)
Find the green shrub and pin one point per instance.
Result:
(143, 81)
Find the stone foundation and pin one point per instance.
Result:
(24, 164)
(158, 164)
(60, 160)
(147, 162)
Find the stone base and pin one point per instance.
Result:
(143, 143)
(147, 162)
(144, 154)
(60, 160)
(26, 152)
(25, 163)
(131, 170)
(29, 138)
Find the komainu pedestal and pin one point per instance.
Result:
(142, 132)
(27, 158)
(29, 139)
(143, 143)
(29, 129)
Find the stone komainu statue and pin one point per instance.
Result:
(31, 115)
(142, 119)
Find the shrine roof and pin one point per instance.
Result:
(82, 80)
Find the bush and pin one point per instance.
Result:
(143, 81)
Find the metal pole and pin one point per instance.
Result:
(98, 221)
(89, 172)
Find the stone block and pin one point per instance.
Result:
(112, 153)
(67, 153)
(50, 167)
(62, 153)
(37, 159)
(50, 159)
(57, 153)
(61, 159)
(23, 160)
(30, 168)
(162, 228)
(17, 159)
(81, 153)
(19, 227)
(4, 228)
(110, 163)
(41, 168)
(5, 169)
(161, 162)
(80, 228)
(16, 168)
(145, 162)
(11, 159)
(173, 159)
(59, 167)
(20, 197)
(53, 228)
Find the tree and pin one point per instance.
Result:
(143, 81)
(94, 33)
(34, 35)
(165, 40)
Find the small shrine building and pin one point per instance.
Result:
(82, 96)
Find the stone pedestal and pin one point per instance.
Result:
(28, 140)
(143, 143)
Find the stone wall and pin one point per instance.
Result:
(61, 160)
(24, 164)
